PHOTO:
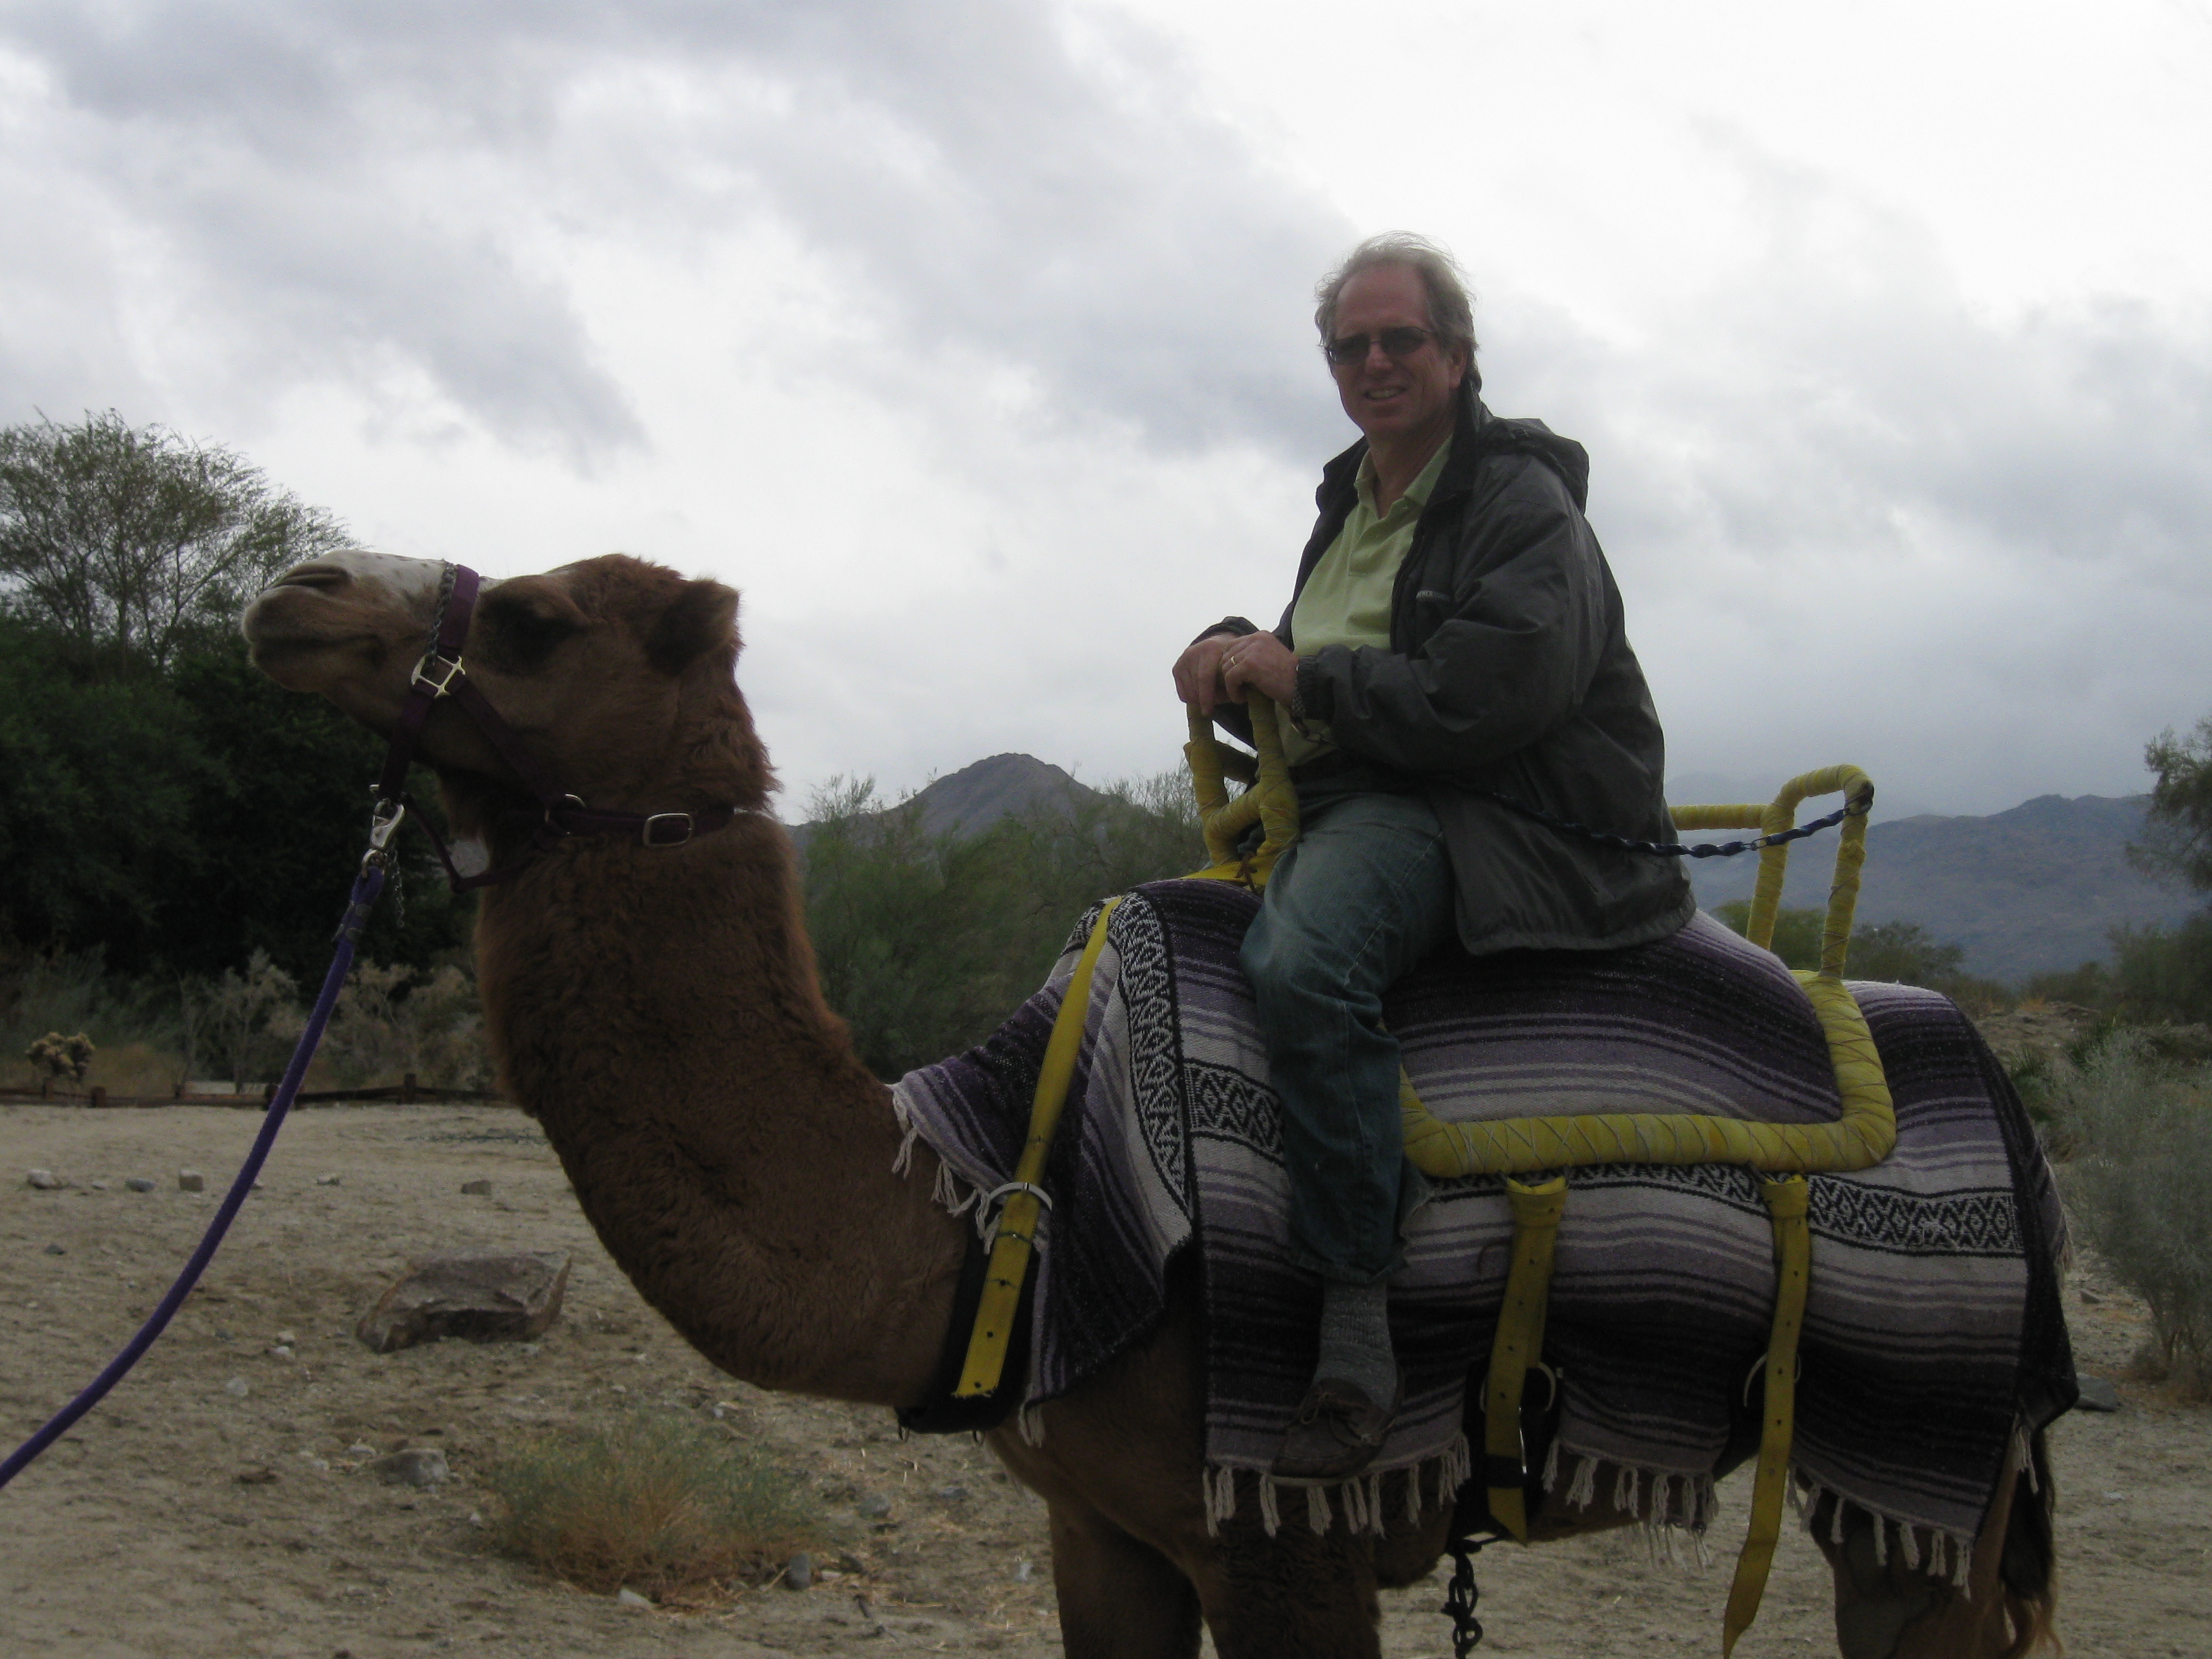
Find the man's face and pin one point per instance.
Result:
(1389, 397)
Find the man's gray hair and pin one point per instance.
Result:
(1452, 308)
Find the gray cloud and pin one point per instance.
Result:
(1855, 512)
(348, 187)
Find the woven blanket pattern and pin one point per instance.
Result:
(1933, 1321)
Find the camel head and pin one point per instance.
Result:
(616, 674)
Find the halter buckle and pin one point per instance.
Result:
(681, 822)
(427, 672)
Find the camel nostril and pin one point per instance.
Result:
(325, 578)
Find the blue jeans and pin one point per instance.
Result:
(1365, 892)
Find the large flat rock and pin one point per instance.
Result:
(483, 1297)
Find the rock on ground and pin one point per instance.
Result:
(486, 1298)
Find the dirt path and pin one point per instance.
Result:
(209, 1510)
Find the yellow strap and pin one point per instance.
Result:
(1518, 1344)
(1787, 1200)
(1011, 1248)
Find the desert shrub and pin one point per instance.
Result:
(2140, 1184)
(391, 1020)
(2089, 986)
(246, 1023)
(656, 1500)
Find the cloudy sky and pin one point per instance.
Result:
(971, 340)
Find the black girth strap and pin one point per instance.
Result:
(940, 1413)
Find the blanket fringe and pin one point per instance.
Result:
(2023, 1456)
(1581, 1492)
(951, 1191)
(1219, 1488)
(1360, 1500)
(1936, 1550)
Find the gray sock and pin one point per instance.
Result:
(1355, 1339)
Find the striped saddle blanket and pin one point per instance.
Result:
(1932, 1326)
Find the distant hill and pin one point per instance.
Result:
(976, 797)
(2028, 890)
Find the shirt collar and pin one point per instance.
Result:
(1417, 493)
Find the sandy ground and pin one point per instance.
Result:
(210, 1508)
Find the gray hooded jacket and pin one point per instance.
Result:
(1509, 670)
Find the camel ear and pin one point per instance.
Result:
(702, 617)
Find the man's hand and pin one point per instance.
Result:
(1218, 668)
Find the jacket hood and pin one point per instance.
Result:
(1480, 434)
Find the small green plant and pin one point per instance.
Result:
(657, 1501)
(2140, 1184)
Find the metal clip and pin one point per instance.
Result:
(384, 821)
(988, 1206)
(649, 836)
(426, 673)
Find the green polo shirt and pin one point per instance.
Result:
(1347, 599)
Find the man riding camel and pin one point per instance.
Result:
(1454, 636)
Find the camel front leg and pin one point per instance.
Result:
(1886, 1610)
(1119, 1598)
(1299, 1595)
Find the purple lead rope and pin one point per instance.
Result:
(366, 890)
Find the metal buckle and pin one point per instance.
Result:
(649, 837)
(564, 805)
(988, 1208)
(439, 684)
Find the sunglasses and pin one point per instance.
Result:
(1349, 349)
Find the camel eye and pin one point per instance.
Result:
(521, 630)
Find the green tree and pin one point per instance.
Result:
(1903, 953)
(2160, 972)
(129, 543)
(2177, 840)
(166, 806)
(99, 795)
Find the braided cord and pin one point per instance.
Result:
(1727, 849)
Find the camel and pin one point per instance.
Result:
(656, 1009)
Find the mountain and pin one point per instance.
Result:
(976, 797)
(2034, 888)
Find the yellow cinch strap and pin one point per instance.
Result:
(1518, 1342)
(1016, 1238)
(1787, 1201)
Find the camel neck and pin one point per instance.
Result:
(659, 1011)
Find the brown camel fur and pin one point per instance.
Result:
(657, 1010)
